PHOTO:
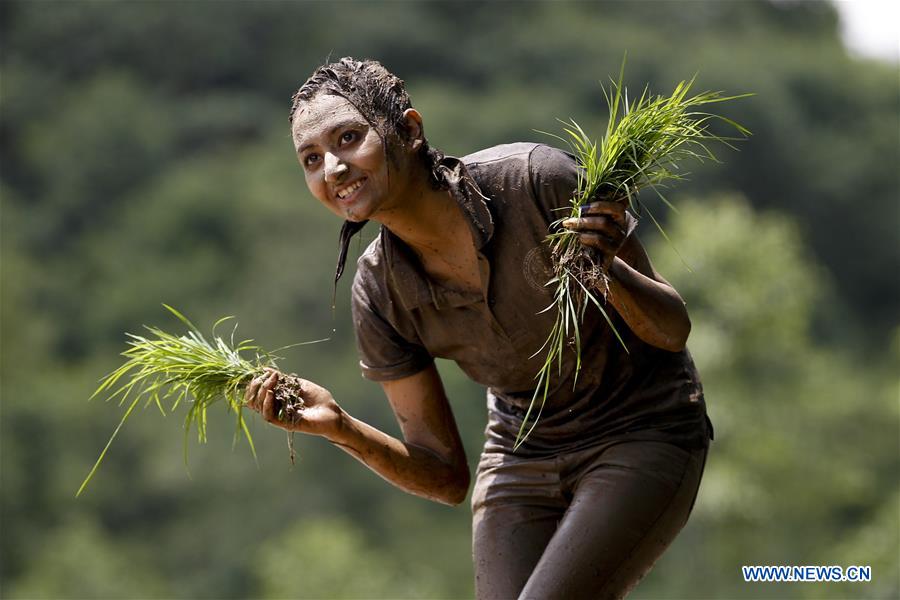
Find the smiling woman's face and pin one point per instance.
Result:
(342, 157)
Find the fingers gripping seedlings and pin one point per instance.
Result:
(277, 397)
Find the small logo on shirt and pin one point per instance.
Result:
(536, 268)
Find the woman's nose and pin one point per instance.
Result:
(334, 168)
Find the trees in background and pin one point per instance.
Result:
(145, 158)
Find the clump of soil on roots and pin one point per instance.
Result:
(584, 264)
(287, 398)
(289, 405)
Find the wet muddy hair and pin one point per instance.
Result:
(381, 98)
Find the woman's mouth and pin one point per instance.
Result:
(348, 192)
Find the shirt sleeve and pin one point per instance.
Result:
(384, 353)
(554, 180)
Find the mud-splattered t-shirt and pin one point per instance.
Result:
(510, 195)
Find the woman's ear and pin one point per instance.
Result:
(412, 124)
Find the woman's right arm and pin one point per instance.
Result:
(429, 462)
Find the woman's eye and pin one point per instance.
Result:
(348, 136)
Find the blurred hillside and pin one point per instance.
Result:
(145, 158)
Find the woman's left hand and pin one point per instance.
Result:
(602, 225)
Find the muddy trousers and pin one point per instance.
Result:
(586, 524)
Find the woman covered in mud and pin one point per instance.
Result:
(607, 479)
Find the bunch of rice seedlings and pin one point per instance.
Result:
(644, 142)
(165, 369)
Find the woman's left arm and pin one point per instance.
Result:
(648, 303)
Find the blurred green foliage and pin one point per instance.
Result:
(804, 467)
(145, 158)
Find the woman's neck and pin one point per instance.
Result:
(432, 224)
(427, 220)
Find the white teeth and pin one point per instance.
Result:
(349, 189)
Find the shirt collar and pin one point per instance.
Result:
(470, 199)
(408, 278)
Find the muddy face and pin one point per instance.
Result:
(342, 157)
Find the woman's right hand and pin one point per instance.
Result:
(319, 415)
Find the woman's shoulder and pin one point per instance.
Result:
(547, 174)
(512, 153)
(521, 156)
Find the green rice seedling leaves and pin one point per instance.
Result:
(645, 141)
(168, 370)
